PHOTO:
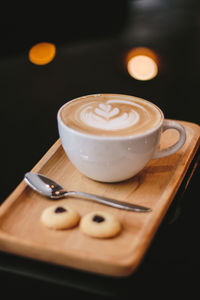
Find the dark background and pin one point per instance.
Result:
(92, 40)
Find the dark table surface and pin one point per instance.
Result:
(92, 61)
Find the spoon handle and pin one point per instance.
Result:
(108, 201)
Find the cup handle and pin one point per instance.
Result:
(168, 124)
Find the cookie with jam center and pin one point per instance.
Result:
(100, 224)
(60, 217)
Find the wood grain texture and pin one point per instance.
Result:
(22, 233)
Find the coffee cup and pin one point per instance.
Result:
(112, 137)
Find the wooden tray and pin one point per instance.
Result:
(22, 233)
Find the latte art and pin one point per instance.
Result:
(110, 115)
(107, 117)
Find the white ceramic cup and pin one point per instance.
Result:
(114, 159)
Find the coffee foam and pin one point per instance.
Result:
(111, 115)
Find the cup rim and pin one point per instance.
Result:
(103, 137)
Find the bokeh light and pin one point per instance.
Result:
(42, 53)
(142, 64)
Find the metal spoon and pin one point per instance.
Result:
(51, 189)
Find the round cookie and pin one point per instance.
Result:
(100, 224)
(60, 216)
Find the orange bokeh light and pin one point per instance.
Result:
(142, 63)
(42, 53)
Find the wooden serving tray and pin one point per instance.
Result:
(22, 233)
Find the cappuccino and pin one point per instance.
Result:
(111, 115)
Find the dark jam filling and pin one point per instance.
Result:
(60, 209)
(98, 219)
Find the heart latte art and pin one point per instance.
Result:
(110, 115)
